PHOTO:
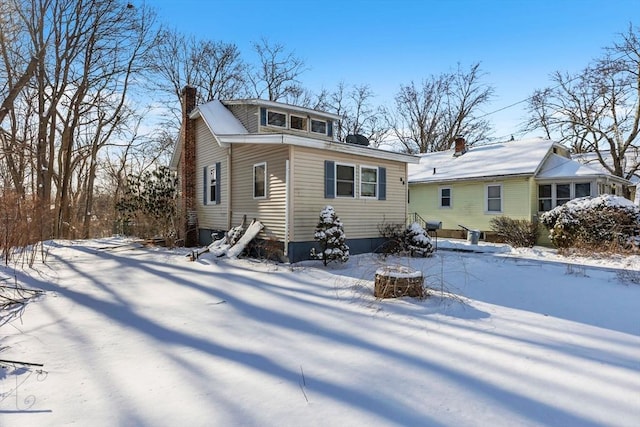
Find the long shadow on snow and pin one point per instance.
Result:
(122, 313)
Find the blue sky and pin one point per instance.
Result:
(388, 43)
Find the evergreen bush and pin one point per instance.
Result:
(330, 235)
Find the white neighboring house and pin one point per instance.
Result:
(631, 158)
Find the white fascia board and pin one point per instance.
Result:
(300, 141)
(484, 178)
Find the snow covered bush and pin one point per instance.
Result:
(394, 235)
(330, 235)
(412, 239)
(518, 233)
(595, 223)
(417, 240)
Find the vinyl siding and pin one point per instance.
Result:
(271, 209)
(361, 217)
(249, 116)
(208, 153)
(468, 203)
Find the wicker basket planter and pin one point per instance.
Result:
(399, 281)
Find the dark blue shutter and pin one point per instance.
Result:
(330, 128)
(218, 186)
(204, 186)
(329, 180)
(263, 116)
(382, 184)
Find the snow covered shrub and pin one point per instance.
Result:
(330, 235)
(518, 233)
(594, 222)
(394, 235)
(417, 240)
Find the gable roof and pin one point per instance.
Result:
(513, 158)
(218, 119)
(528, 157)
(561, 167)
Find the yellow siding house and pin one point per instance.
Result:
(467, 187)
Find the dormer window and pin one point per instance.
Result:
(318, 126)
(298, 123)
(275, 118)
(295, 120)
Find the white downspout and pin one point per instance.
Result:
(286, 208)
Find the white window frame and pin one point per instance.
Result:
(554, 191)
(304, 119)
(376, 183)
(264, 165)
(326, 126)
(286, 118)
(353, 167)
(212, 184)
(440, 197)
(486, 198)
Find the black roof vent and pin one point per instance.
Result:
(358, 140)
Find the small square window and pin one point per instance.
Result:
(319, 126)
(583, 189)
(275, 118)
(299, 123)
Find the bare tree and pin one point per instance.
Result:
(597, 109)
(215, 69)
(76, 101)
(427, 117)
(275, 77)
(359, 115)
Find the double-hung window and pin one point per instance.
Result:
(445, 197)
(368, 181)
(345, 180)
(260, 180)
(494, 198)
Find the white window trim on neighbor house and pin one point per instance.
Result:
(363, 182)
(488, 199)
(321, 123)
(442, 197)
(353, 181)
(256, 175)
(553, 197)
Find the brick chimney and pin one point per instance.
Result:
(460, 146)
(188, 168)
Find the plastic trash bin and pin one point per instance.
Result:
(473, 236)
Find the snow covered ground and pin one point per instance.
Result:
(133, 336)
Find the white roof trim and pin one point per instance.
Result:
(300, 141)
